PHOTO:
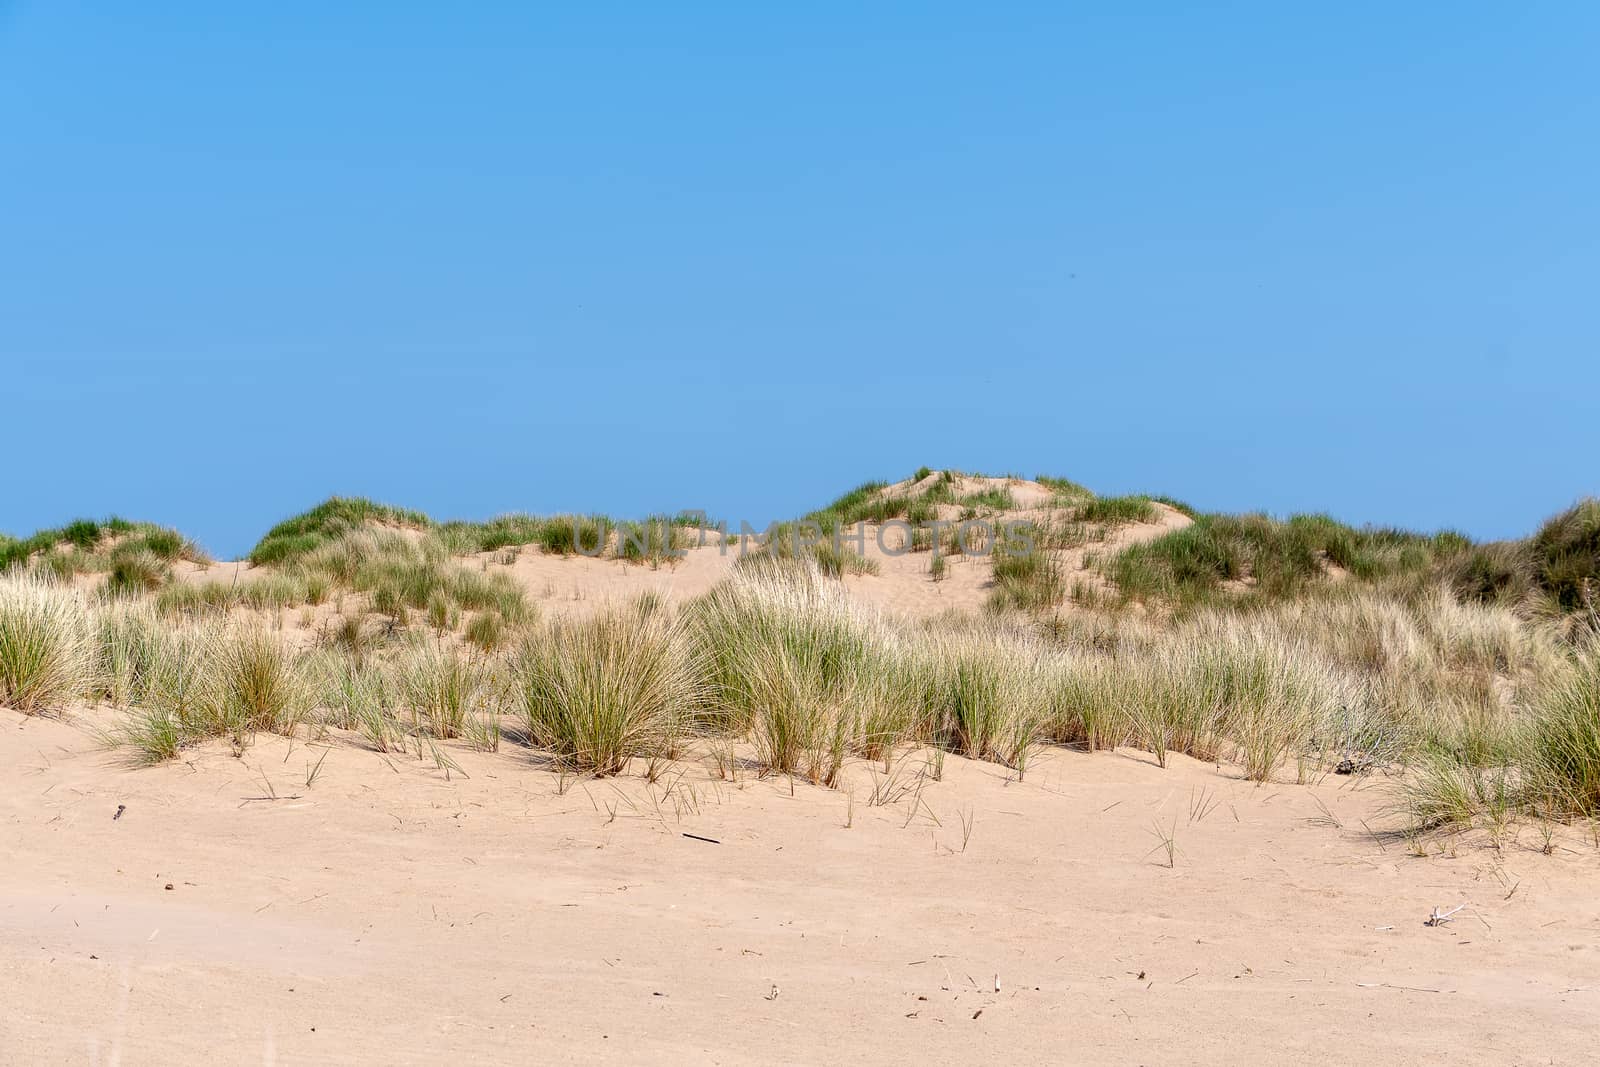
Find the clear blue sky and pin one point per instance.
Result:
(498, 257)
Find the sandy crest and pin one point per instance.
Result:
(387, 913)
(903, 586)
(578, 586)
(581, 585)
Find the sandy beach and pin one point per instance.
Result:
(505, 914)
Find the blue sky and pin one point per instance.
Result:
(742, 257)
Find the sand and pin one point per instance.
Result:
(391, 913)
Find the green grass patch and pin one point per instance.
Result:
(1117, 510)
(1064, 487)
(1030, 581)
(1556, 570)
(328, 521)
(995, 497)
(1190, 565)
(136, 554)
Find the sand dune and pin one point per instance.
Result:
(578, 585)
(288, 891)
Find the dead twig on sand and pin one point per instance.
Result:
(1439, 918)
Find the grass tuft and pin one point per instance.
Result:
(327, 522)
(1117, 510)
(46, 654)
(600, 691)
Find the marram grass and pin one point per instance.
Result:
(1272, 647)
(46, 647)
